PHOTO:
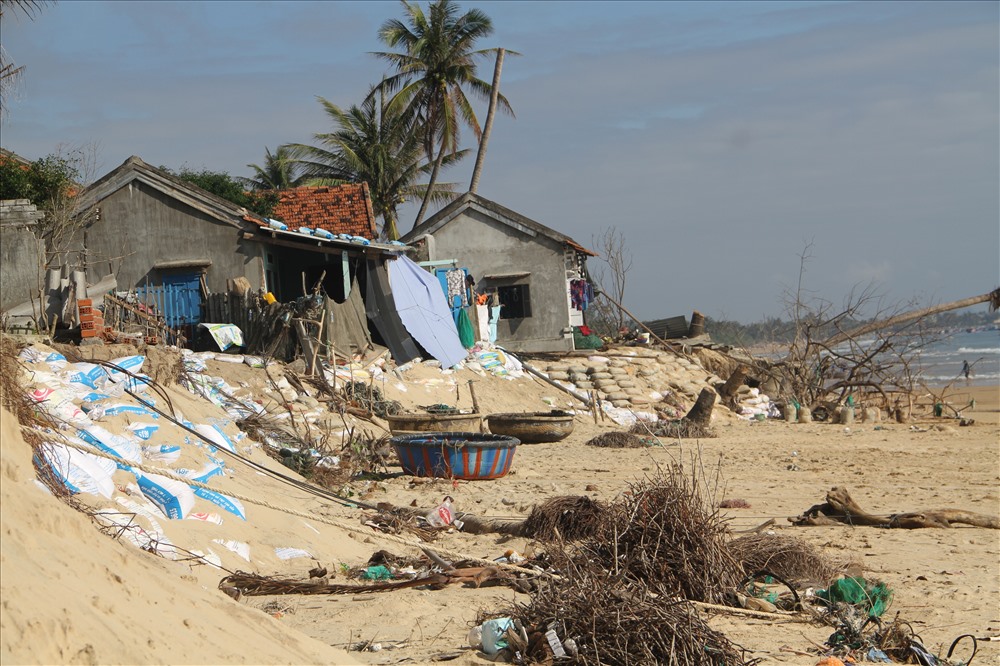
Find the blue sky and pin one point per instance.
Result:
(718, 138)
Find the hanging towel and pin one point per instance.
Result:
(465, 333)
(494, 317)
(483, 322)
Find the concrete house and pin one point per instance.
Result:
(151, 230)
(529, 269)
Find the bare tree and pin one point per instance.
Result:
(833, 357)
(609, 277)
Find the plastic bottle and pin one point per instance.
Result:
(441, 515)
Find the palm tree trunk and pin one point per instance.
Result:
(430, 186)
(992, 297)
(494, 94)
(389, 227)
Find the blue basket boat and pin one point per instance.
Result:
(455, 455)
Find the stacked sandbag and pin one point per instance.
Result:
(634, 379)
(754, 405)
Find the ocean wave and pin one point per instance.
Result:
(978, 350)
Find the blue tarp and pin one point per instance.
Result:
(424, 311)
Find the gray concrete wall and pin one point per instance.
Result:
(22, 254)
(21, 259)
(140, 226)
(485, 247)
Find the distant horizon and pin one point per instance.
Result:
(722, 139)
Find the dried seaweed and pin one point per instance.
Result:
(675, 429)
(618, 440)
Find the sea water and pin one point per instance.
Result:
(941, 362)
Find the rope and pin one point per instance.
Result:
(292, 512)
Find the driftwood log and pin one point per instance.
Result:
(728, 391)
(701, 413)
(841, 509)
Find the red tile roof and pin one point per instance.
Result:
(342, 209)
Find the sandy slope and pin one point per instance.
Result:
(71, 594)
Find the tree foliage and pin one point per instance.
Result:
(280, 171)
(221, 184)
(44, 182)
(436, 63)
(372, 143)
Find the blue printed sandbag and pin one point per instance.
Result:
(143, 430)
(115, 410)
(129, 364)
(80, 472)
(174, 498)
(230, 504)
(204, 474)
(215, 434)
(86, 374)
(121, 447)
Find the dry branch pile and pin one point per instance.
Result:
(568, 517)
(665, 533)
(602, 618)
(788, 557)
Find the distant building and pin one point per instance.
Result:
(529, 269)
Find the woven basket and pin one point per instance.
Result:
(455, 455)
(532, 427)
(449, 422)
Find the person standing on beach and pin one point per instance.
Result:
(966, 369)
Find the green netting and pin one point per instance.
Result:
(581, 341)
(872, 598)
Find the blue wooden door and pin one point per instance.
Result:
(182, 299)
(178, 301)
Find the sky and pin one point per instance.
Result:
(723, 142)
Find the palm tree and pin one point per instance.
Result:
(10, 73)
(278, 173)
(374, 143)
(436, 63)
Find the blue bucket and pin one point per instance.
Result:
(455, 455)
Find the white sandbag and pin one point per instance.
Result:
(205, 517)
(291, 553)
(164, 453)
(130, 364)
(215, 434)
(80, 472)
(116, 445)
(241, 548)
(174, 498)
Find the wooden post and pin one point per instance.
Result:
(475, 402)
(306, 342)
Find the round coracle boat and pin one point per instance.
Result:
(471, 456)
(532, 427)
(453, 421)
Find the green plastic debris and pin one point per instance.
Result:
(873, 599)
(380, 572)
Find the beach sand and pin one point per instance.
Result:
(74, 595)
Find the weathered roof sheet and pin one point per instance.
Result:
(134, 169)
